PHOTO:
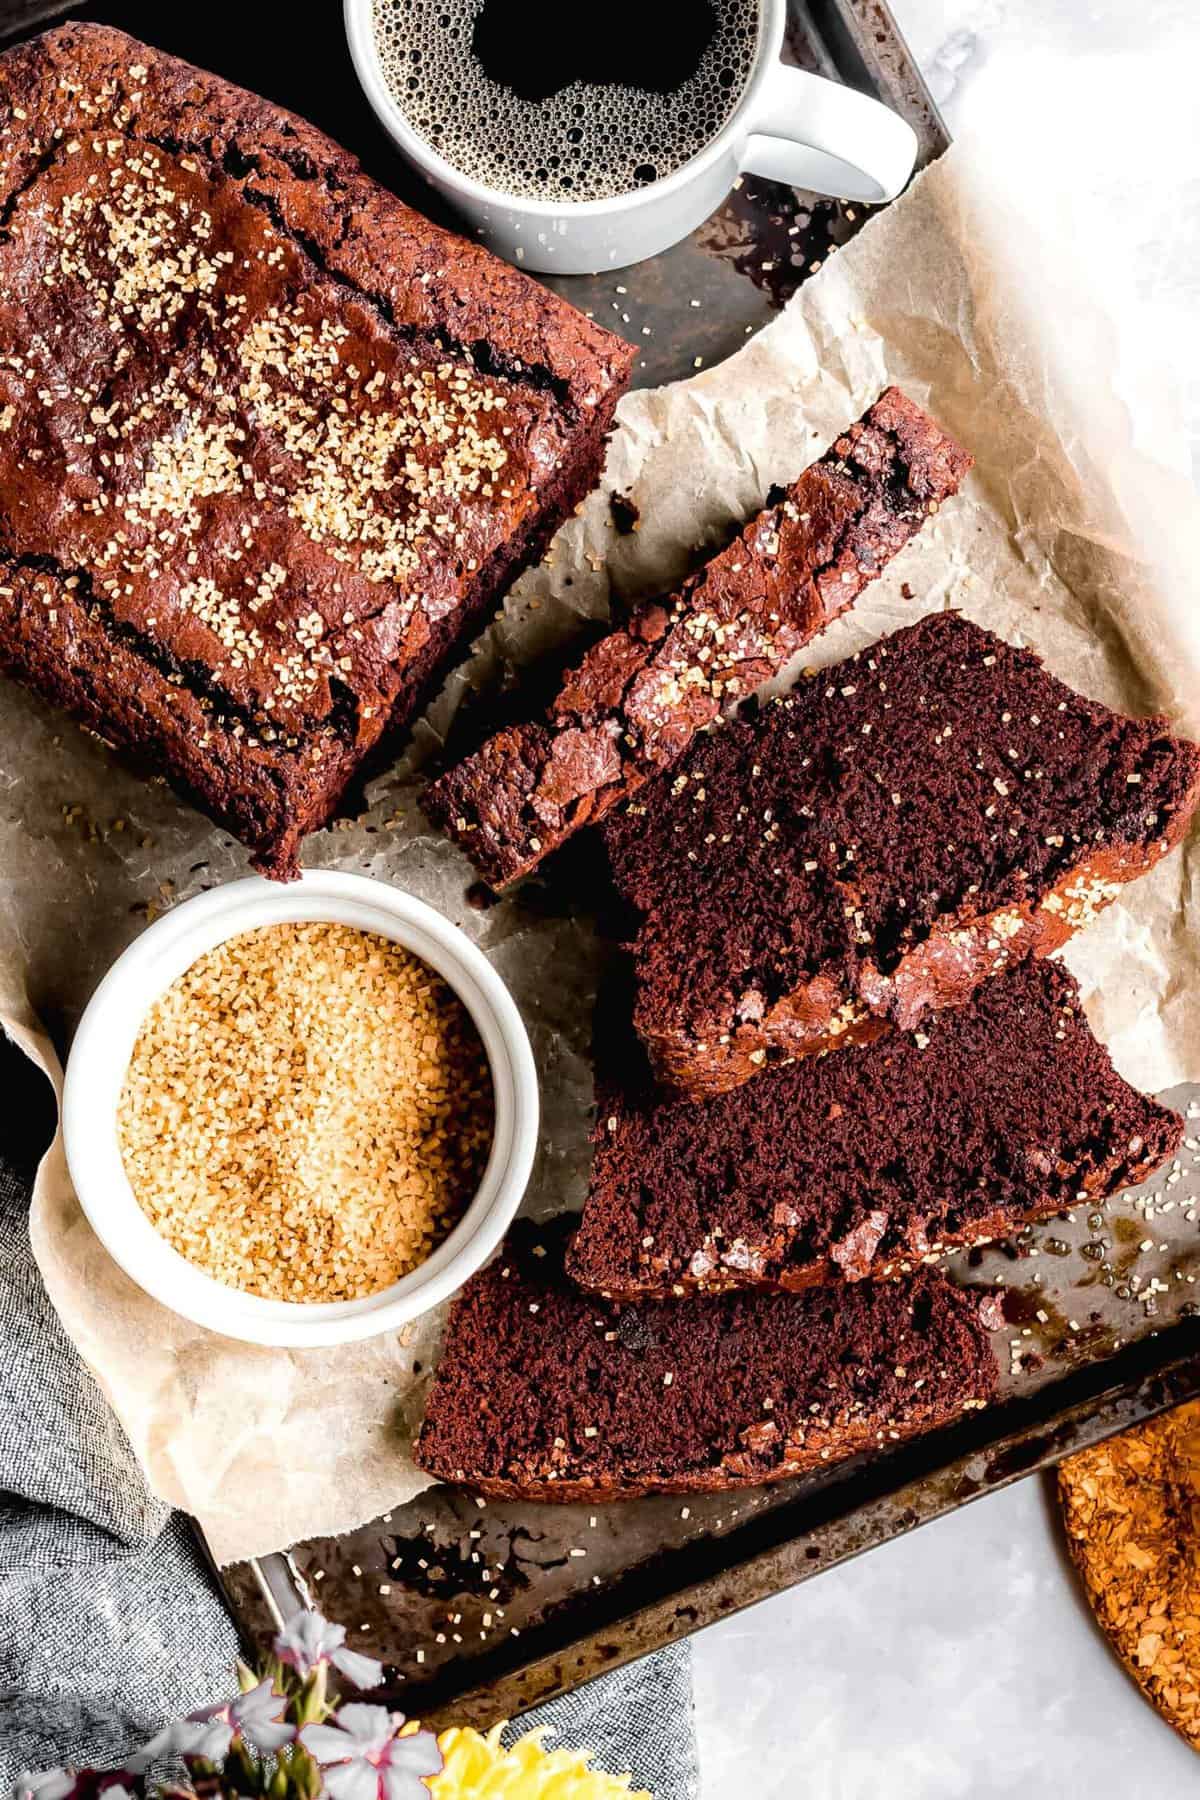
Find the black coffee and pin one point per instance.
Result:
(524, 46)
(517, 97)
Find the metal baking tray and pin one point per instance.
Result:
(481, 1611)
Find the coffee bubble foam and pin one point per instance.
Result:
(587, 142)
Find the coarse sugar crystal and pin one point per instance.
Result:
(307, 1112)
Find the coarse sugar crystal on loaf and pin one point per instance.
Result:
(838, 1168)
(869, 848)
(271, 444)
(544, 1392)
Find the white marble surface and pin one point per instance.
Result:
(955, 1664)
(960, 1663)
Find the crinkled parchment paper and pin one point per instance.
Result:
(1072, 535)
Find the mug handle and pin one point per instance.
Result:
(812, 133)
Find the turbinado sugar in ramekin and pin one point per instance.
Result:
(307, 1112)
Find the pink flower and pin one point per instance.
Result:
(51, 1784)
(363, 1759)
(254, 1715)
(308, 1640)
(77, 1784)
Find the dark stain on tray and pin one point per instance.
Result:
(777, 237)
(625, 515)
(448, 1571)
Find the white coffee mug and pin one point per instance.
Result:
(788, 125)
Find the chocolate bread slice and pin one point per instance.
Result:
(874, 845)
(841, 1167)
(545, 1393)
(634, 703)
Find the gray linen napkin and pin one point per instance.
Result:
(110, 1623)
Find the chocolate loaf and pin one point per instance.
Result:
(635, 702)
(545, 1393)
(841, 1167)
(271, 444)
(871, 847)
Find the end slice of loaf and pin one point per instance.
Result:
(634, 703)
(547, 1393)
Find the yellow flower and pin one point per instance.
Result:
(480, 1768)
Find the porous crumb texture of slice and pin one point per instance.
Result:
(547, 1393)
(841, 1167)
(270, 442)
(900, 827)
(306, 1113)
(635, 702)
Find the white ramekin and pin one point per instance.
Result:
(104, 1043)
